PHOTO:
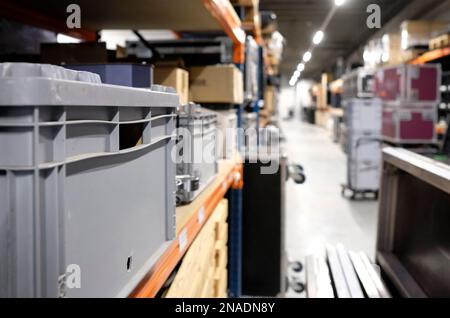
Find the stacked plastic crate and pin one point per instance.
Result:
(410, 95)
(363, 125)
(87, 182)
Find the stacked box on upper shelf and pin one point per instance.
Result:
(216, 84)
(175, 77)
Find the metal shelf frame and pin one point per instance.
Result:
(431, 56)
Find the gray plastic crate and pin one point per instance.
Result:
(199, 151)
(86, 178)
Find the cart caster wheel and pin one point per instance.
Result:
(297, 267)
(298, 287)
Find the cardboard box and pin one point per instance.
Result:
(269, 100)
(174, 77)
(216, 84)
(417, 33)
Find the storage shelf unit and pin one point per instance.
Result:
(186, 15)
(189, 222)
(431, 56)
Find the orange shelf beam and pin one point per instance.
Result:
(224, 13)
(155, 279)
(431, 56)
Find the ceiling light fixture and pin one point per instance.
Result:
(318, 37)
(307, 57)
(292, 82)
(300, 67)
(338, 3)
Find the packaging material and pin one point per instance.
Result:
(409, 125)
(131, 75)
(73, 199)
(197, 139)
(71, 53)
(216, 84)
(409, 83)
(175, 77)
(203, 270)
(417, 33)
(227, 133)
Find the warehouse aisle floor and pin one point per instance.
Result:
(316, 213)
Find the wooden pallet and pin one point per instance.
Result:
(203, 270)
(440, 42)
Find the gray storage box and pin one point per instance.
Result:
(198, 151)
(86, 182)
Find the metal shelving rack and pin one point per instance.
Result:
(193, 16)
(431, 56)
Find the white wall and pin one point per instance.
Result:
(287, 100)
(303, 95)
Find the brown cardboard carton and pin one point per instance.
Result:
(216, 84)
(418, 32)
(174, 77)
(269, 100)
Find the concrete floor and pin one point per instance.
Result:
(316, 213)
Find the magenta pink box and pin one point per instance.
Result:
(409, 83)
(409, 125)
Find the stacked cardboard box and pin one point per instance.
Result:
(175, 77)
(216, 84)
(203, 270)
(417, 33)
(410, 95)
